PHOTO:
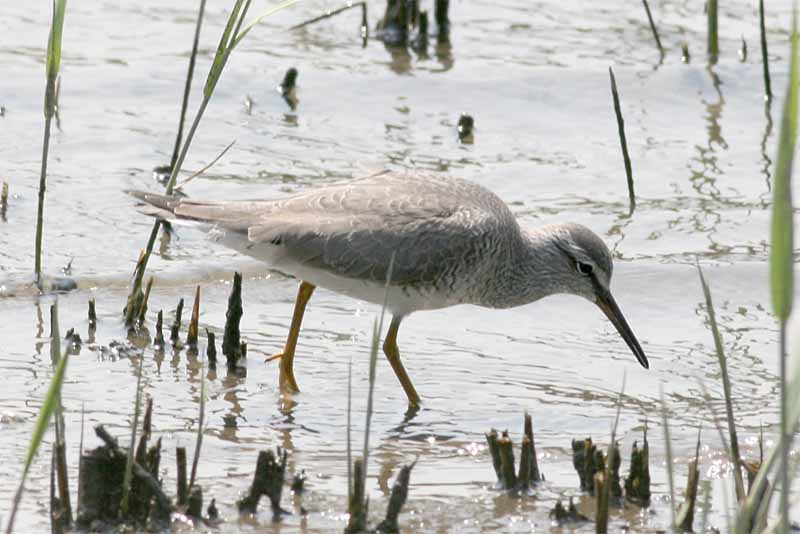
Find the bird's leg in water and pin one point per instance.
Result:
(393, 355)
(287, 381)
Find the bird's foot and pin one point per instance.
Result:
(274, 357)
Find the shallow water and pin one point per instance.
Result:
(534, 76)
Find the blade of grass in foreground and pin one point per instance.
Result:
(736, 459)
(45, 412)
(53, 63)
(231, 36)
(781, 258)
(668, 452)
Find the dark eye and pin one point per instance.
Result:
(585, 268)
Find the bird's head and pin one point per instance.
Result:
(585, 268)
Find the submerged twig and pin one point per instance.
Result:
(653, 27)
(764, 51)
(622, 141)
(231, 343)
(334, 12)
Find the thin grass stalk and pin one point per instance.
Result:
(782, 254)
(349, 428)
(668, 452)
(764, 51)
(53, 63)
(713, 34)
(653, 27)
(329, 14)
(45, 412)
(80, 460)
(225, 47)
(187, 87)
(61, 446)
(373, 359)
(602, 516)
(736, 459)
(200, 420)
(623, 141)
(126, 482)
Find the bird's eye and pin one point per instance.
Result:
(584, 268)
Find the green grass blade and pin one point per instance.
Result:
(782, 241)
(782, 253)
(222, 48)
(45, 412)
(54, 50)
(735, 457)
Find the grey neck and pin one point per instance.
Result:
(533, 271)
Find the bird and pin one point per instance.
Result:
(409, 240)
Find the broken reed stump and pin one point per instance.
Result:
(637, 483)
(133, 305)
(268, 480)
(465, 126)
(685, 57)
(567, 515)
(100, 486)
(508, 477)
(494, 452)
(191, 335)
(502, 453)
(92, 314)
(440, 13)
(183, 489)
(615, 461)
(143, 308)
(392, 29)
(288, 88)
(358, 506)
(194, 506)
(231, 343)
(420, 42)
(176, 325)
(601, 492)
(4, 200)
(586, 462)
(397, 500)
(535, 474)
(159, 339)
(211, 350)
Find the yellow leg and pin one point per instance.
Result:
(287, 381)
(393, 355)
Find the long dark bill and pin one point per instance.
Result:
(609, 306)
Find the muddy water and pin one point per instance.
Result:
(534, 76)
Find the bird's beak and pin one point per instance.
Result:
(609, 306)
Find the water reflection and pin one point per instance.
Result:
(766, 197)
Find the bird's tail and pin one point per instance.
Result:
(156, 205)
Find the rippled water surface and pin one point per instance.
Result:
(534, 76)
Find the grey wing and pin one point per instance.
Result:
(358, 230)
(419, 250)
